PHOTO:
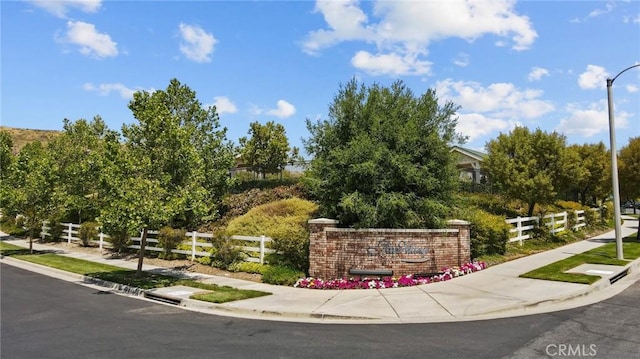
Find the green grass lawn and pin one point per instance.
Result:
(218, 294)
(601, 255)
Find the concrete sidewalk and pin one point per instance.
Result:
(491, 293)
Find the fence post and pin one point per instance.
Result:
(101, 239)
(565, 217)
(43, 230)
(193, 246)
(519, 226)
(69, 233)
(262, 249)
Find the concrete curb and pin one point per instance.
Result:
(192, 304)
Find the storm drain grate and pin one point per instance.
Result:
(162, 298)
(619, 276)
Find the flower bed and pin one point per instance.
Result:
(389, 282)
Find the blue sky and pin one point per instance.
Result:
(506, 63)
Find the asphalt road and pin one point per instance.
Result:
(42, 317)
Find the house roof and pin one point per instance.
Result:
(477, 155)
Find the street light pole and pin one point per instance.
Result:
(614, 165)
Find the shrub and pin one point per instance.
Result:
(204, 260)
(285, 221)
(56, 229)
(119, 239)
(13, 226)
(489, 233)
(168, 239)
(606, 213)
(281, 275)
(249, 267)
(493, 204)
(569, 205)
(224, 252)
(591, 217)
(238, 204)
(88, 232)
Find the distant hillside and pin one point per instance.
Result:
(22, 136)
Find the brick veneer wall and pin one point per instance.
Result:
(334, 251)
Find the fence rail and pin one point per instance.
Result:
(193, 240)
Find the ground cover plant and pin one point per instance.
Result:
(601, 255)
(147, 280)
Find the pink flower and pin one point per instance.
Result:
(389, 282)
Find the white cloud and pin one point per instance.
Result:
(390, 64)
(591, 120)
(632, 19)
(346, 21)
(608, 7)
(224, 105)
(106, 88)
(594, 77)
(284, 110)
(197, 44)
(255, 110)
(632, 88)
(537, 73)
(461, 60)
(91, 42)
(406, 28)
(498, 100)
(475, 125)
(60, 8)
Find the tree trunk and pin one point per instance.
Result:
(31, 232)
(143, 244)
(532, 206)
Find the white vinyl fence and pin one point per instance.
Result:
(557, 222)
(199, 243)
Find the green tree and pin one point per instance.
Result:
(31, 184)
(6, 161)
(588, 166)
(267, 150)
(528, 166)
(158, 175)
(77, 155)
(629, 171)
(383, 159)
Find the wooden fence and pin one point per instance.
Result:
(256, 249)
(556, 222)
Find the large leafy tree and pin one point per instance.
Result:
(588, 167)
(77, 155)
(529, 166)
(31, 188)
(168, 166)
(629, 170)
(267, 150)
(382, 158)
